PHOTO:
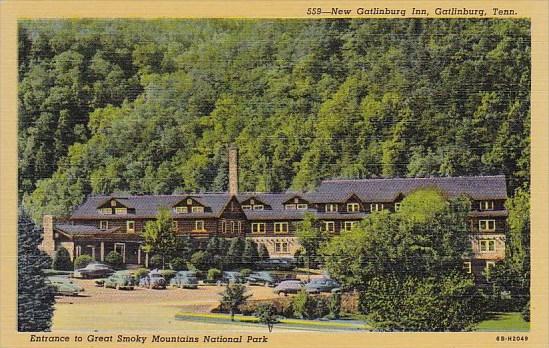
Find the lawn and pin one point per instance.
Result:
(504, 322)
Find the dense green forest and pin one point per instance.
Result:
(150, 106)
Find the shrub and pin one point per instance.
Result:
(155, 261)
(282, 306)
(114, 259)
(82, 261)
(245, 272)
(200, 260)
(349, 303)
(214, 274)
(140, 273)
(168, 274)
(178, 264)
(526, 312)
(62, 260)
(266, 313)
(335, 306)
(304, 305)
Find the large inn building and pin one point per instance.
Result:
(105, 223)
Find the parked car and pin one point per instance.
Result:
(64, 286)
(93, 270)
(288, 287)
(262, 278)
(185, 280)
(319, 285)
(231, 277)
(153, 280)
(277, 264)
(120, 280)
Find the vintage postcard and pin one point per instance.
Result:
(274, 174)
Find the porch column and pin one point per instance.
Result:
(138, 254)
(147, 260)
(102, 251)
(93, 252)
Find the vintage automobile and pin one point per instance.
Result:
(153, 280)
(262, 278)
(64, 286)
(120, 280)
(231, 277)
(185, 280)
(319, 285)
(280, 264)
(93, 270)
(288, 287)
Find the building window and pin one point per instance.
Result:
(189, 201)
(259, 227)
(233, 227)
(106, 211)
(197, 209)
(181, 210)
(103, 225)
(376, 206)
(258, 207)
(120, 211)
(353, 207)
(486, 205)
(349, 225)
(467, 267)
(487, 245)
(487, 225)
(130, 226)
(281, 247)
(280, 227)
(490, 265)
(246, 207)
(223, 227)
(113, 203)
(397, 206)
(199, 225)
(302, 206)
(290, 206)
(329, 226)
(239, 226)
(175, 225)
(330, 207)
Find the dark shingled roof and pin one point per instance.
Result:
(74, 230)
(329, 191)
(386, 190)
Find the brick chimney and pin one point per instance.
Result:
(48, 242)
(233, 170)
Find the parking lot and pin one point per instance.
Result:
(140, 309)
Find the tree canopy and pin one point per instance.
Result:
(150, 106)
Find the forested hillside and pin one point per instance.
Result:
(150, 106)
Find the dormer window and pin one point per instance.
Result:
(290, 206)
(330, 207)
(376, 206)
(181, 210)
(397, 206)
(106, 211)
(246, 207)
(189, 201)
(113, 203)
(353, 207)
(302, 206)
(486, 205)
(259, 207)
(197, 209)
(120, 211)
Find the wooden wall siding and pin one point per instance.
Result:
(188, 226)
(297, 200)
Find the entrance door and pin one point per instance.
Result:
(121, 249)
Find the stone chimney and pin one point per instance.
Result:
(48, 242)
(233, 170)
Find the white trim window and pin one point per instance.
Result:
(397, 206)
(259, 227)
(487, 245)
(490, 265)
(175, 225)
(106, 211)
(486, 205)
(258, 207)
(487, 225)
(329, 226)
(223, 227)
(246, 207)
(181, 210)
(349, 225)
(120, 211)
(330, 208)
(376, 207)
(281, 247)
(199, 226)
(130, 226)
(290, 206)
(280, 227)
(197, 209)
(103, 225)
(302, 206)
(77, 251)
(353, 207)
(467, 267)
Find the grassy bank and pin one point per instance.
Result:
(504, 322)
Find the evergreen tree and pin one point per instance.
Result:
(234, 254)
(250, 255)
(62, 260)
(263, 252)
(35, 297)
